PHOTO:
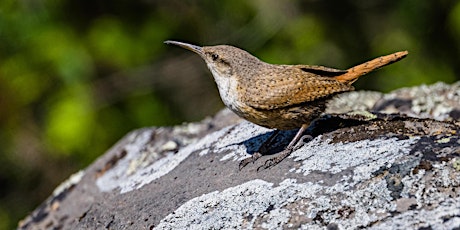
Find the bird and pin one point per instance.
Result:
(276, 96)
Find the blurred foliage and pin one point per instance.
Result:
(77, 75)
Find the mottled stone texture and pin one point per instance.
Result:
(362, 170)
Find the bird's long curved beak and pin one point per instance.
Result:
(194, 48)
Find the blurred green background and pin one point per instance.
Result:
(77, 75)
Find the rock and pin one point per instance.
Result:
(362, 170)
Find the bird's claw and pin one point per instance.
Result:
(248, 160)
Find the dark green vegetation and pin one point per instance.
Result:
(75, 76)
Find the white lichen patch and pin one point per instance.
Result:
(353, 101)
(363, 157)
(277, 217)
(238, 206)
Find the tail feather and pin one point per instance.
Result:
(355, 72)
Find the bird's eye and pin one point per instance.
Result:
(214, 57)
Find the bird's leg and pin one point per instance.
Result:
(262, 149)
(287, 151)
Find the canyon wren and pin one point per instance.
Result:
(280, 97)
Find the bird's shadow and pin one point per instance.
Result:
(324, 124)
(280, 142)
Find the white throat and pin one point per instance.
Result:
(226, 85)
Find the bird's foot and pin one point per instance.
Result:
(295, 143)
(248, 160)
(285, 153)
(275, 160)
(262, 149)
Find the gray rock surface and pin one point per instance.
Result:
(362, 170)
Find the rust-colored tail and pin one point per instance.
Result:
(355, 72)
